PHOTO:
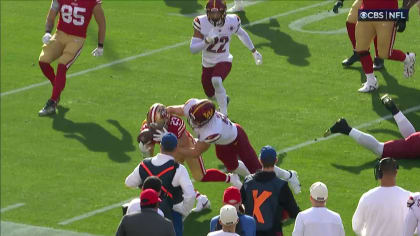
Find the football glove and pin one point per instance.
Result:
(159, 135)
(400, 24)
(210, 38)
(46, 38)
(98, 52)
(338, 4)
(257, 58)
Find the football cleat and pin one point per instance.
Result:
(389, 104)
(49, 108)
(351, 60)
(340, 126)
(203, 202)
(237, 7)
(294, 181)
(378, 63)
(235, 180)
(368, 87)
(409, 65)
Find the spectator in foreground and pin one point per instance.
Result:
(246, 225)
(412, 220)
(381, 210)
(148, 221)
(265, 196)
(151, 182)
(228, 220)
(318, 220)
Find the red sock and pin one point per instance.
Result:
(214, 175)
(366, 61)
(397, 55)
(60, 81)
(48, 71)
(375, 42)
(351, 31)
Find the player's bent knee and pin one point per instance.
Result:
(217, 82)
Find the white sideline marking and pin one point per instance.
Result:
(155, 51)
(364, 125)
(91, 213)
(15, 229)
(11, 207)
(194, 14)
(297, 25)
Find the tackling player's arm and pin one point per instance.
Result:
(99, 15)
(177, 110)
(192, 152)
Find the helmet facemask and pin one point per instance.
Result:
(157, 117)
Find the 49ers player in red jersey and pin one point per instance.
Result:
(67, 42)
(230, 140)
(212, 36)
(159, 119)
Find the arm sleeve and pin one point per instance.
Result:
(213, 224)
(341, 233)
(197, 45)
(410, 223)
(298, 229)
(182, 179)
(288, 201)
(245, 39)
(358, 219)
(55, 5)
(133, 180)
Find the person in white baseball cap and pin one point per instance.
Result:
(318, 220)
(228, 220)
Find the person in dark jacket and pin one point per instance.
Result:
(266, 197)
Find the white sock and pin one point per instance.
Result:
(370, 78)
(282, 174)
(220, 94)
(407, 58)
(367, 141)
(404, 125)
(241, 170)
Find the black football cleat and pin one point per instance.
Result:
(351, 60)
(340, 126)
(48, 109)
(389, 104)
(378, 63)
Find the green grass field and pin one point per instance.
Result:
(76, 162)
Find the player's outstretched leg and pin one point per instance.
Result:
(48, 71)
(404, 125)
(378, 63)
(220, 93)
(364, 139)
(371, 83)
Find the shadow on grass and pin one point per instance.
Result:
(185, 7)
(95, 137)
(281, 43)
(403, 163)
(194, 227)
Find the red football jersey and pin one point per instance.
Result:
(75, 16)
(379, 4)
(175, 125)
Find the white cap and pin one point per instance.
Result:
(319, 191)
(228, 215)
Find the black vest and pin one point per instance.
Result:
(170, 195)
(265, 194)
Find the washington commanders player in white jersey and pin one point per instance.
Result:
(230, 140)
(412, 220)
(212, 35)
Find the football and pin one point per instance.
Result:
(146, 136)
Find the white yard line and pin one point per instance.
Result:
(92, 213)
(126, 59)
(364, 125)
(11, 207)
(17, 229)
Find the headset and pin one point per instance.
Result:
(378, 172)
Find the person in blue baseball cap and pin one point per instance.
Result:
(169, 142)
(267, 197)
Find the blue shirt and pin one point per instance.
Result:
(247, 224)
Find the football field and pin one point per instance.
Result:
(64, 174)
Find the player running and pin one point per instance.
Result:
(409, 147)
(212, 35)
(67, 42)
(351, 21)
(158, 118)
(385, 32)
(230, 140)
